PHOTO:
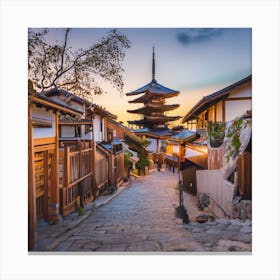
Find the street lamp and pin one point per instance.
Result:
(176, 151)
(182, 212)
(181, 209)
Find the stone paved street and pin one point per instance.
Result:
(142, 219)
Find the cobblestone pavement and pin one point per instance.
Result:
(142, 219)
(223, 235)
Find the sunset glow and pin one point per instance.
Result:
(195, 62)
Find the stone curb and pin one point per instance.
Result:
(96, 204)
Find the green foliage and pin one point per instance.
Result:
(234, 133)
(216, 133)
(145, 143)
(81, 211)
(127, 162)
(143, 160)
(127, 156)
(136, 143)
(53, 64)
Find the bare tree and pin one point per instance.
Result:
(58, 65)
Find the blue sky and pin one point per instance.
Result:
(195, 61)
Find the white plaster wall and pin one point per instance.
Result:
(87, 136)
(96, 128)
(98, 136)
(237, 108)
(67, 131)
(40, 114)
(245, 91)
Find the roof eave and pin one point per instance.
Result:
(50, 103)
(212, 99)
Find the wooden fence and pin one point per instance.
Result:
(101, 168)
(75, 177)
(215, 157)
(119, 164)
(219, 190)
(244, 170)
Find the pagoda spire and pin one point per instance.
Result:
(153, 66)
(153, 97)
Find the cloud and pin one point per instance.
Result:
(197, 35)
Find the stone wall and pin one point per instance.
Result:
(242, 210)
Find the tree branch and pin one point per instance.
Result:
(64, 48)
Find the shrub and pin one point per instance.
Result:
(216, 133)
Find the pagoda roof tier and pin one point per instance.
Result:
(150, 96)
(138, 122)
(161, 119)
(155, 89)
(148, 120)
(154, 108)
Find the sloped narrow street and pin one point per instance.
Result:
(142, 218)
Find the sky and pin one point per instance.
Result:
(194, 61)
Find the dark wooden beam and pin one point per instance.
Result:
(31, 185)
(238, 98)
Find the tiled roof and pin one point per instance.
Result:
(155, 88)
(183, 134)
(213, 98)
(60, 103)
(157, 133)
(58, 91)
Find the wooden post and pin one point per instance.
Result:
(215, 112)
(31, 185)
(66, 175)
(66, 167)
(157, 146)
(223, 110)
(56, 163)
(111, 169)
(94, 185)
(53, 201)
(46, 186)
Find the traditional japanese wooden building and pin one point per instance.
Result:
(154, 122)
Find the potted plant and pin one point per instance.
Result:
(216, 133)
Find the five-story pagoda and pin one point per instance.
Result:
(154, 123)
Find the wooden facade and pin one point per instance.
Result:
(76, 177)
(45, 175)
(67, 169)
(223, 105)
(215, 157)
(102, 168)
(43, 181)
(116, 130)
(189, 178)
(244, 171)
